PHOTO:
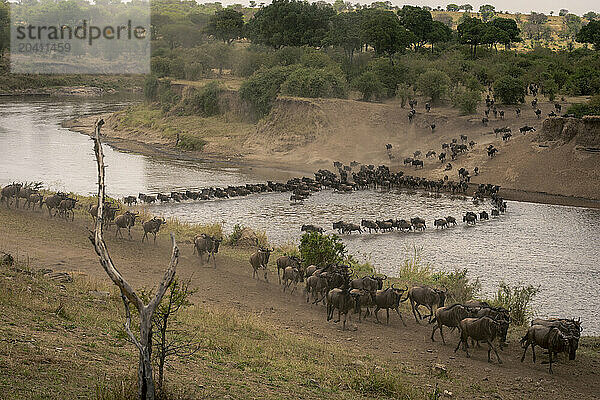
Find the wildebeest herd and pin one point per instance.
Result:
(476, 320)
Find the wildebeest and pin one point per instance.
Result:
(484, 121)
(362, 299)
(506, 137)
(569, 327)
(311, 228)
(316, 285)
(442, 157)
(9, 192)
(491, 150)
(386, 299)
(463, 138)
(152, 226)
(550, 338)
(451, 220)
(369, 283)
(129, 200)
(259, 260)
(470, 218)
(430, 153)
(440, 223)
(205, 243)
(483, 215)
(425, 296)
(482, 329)
(418, 163)
(287, 261)
(291, 275)
(66, 206)
(342, 300)
(408, 160)
(526, 128)
(538, 113)
(450, 317)
(370, 225)
(52, 202)
(125, 221)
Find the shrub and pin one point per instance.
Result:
(321, 250)
(151, 83)
(262, 88)
(312, 82)
(369, 85)
(466, 101)
(160, 66)
(389, 75)
(188, 141)
(433, 84)
(517, 300)
(203, 101)
(509, 90)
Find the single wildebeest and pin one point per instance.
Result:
(418, 163)
(386, 299)
(33, 199)
(67, 206)
(549, 338)
(506, 137)
(568, 327)
(483, 215)
(311, 228)
(440, 223)
(470, 218)
(430, 153)
(362, 299)
(482, 329)
(369, 283)
(259, 260)
(342, 300)
(291, 275)
(417, 154)
(442, 157)
(450, 317)
(125, 221)
(526, 128)
(538, 113)
(349, 228)
(53, 201)
(287, 261)
(370, 225)
(206, 244)
(152, 227)
(463, 138)
(316, 286)
(425, 296)
(451, 220)
(408, 160)
(129, 200)
(10, 191)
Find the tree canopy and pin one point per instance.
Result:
(226, 25)
(590, 34)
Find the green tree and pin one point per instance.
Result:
(369, 85)
(590, 34)
(389, 75)
(344, 31)
(226, 25)
(290, 23)
(4, 26)
(509, 90)
(383, 31)
(439, 33)
(452, 7)
(316, 82)
(487, 12)
(591, 15)
(572, 24)
(563, 12)
(433, 84)
(511, 32)
(466, 7)
(471, 31)
(262, 88)
(466, 101)
(418, 21)
(321, 250)
(549, 89)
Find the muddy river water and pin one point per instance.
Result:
(555, 247)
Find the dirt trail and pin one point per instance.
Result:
(63, 246)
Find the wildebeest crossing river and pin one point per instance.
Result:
(551, 246)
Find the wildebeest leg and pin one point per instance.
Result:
(491, 347)
(339, 316)
(399, 315)
(525, 351)
(344, 326)
(387, 311)
(433, 331)
(412, 305)
(533, 351)
(458, 345)
(329, 312)
(145, 236)
(376, 316)
(550, 355)
(214, 261)
(129, 232)
(154, 237)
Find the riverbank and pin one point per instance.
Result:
(155, 145)
(405, 356)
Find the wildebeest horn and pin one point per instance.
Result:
(393, 286)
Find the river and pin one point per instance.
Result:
(554, 247)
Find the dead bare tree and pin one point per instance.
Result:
(146, 390)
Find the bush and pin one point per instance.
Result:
(592, 107)
(369, 85)
(433, 84)
(160, 66)
(312, 82)
(151, 87)
(516, 300)
(321, 250)
(466, 101)
(262, 88)
(389, 75)
(203, 101)
(509, 90)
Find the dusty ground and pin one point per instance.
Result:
(63, 246)
(301, 135)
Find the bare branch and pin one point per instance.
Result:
(128, 323)
(167, 278)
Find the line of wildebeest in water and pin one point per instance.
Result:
(334, 286)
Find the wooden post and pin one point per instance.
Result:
(146, 389)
